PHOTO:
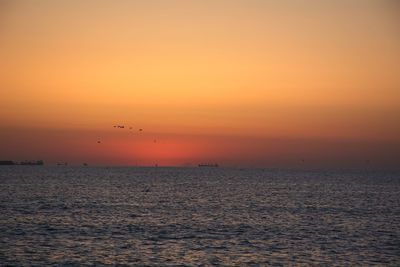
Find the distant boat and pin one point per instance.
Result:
(214, 165)
(38, 162)
(7, 162)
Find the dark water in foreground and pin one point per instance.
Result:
(172, 216)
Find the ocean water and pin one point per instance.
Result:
(70, 216)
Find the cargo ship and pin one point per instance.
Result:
(37, 162)
(214, 165)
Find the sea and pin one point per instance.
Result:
(145, 216)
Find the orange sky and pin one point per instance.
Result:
(242, 83)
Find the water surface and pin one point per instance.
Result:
(198, 216)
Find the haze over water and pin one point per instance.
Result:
(198, 216)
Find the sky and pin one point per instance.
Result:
(239, 82)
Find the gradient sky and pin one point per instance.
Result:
(241, 83)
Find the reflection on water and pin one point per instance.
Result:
(194, 216)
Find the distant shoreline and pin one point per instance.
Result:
(24, 163)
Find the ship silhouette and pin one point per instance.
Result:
(208, 165)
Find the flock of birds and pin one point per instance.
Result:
(123, 127)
